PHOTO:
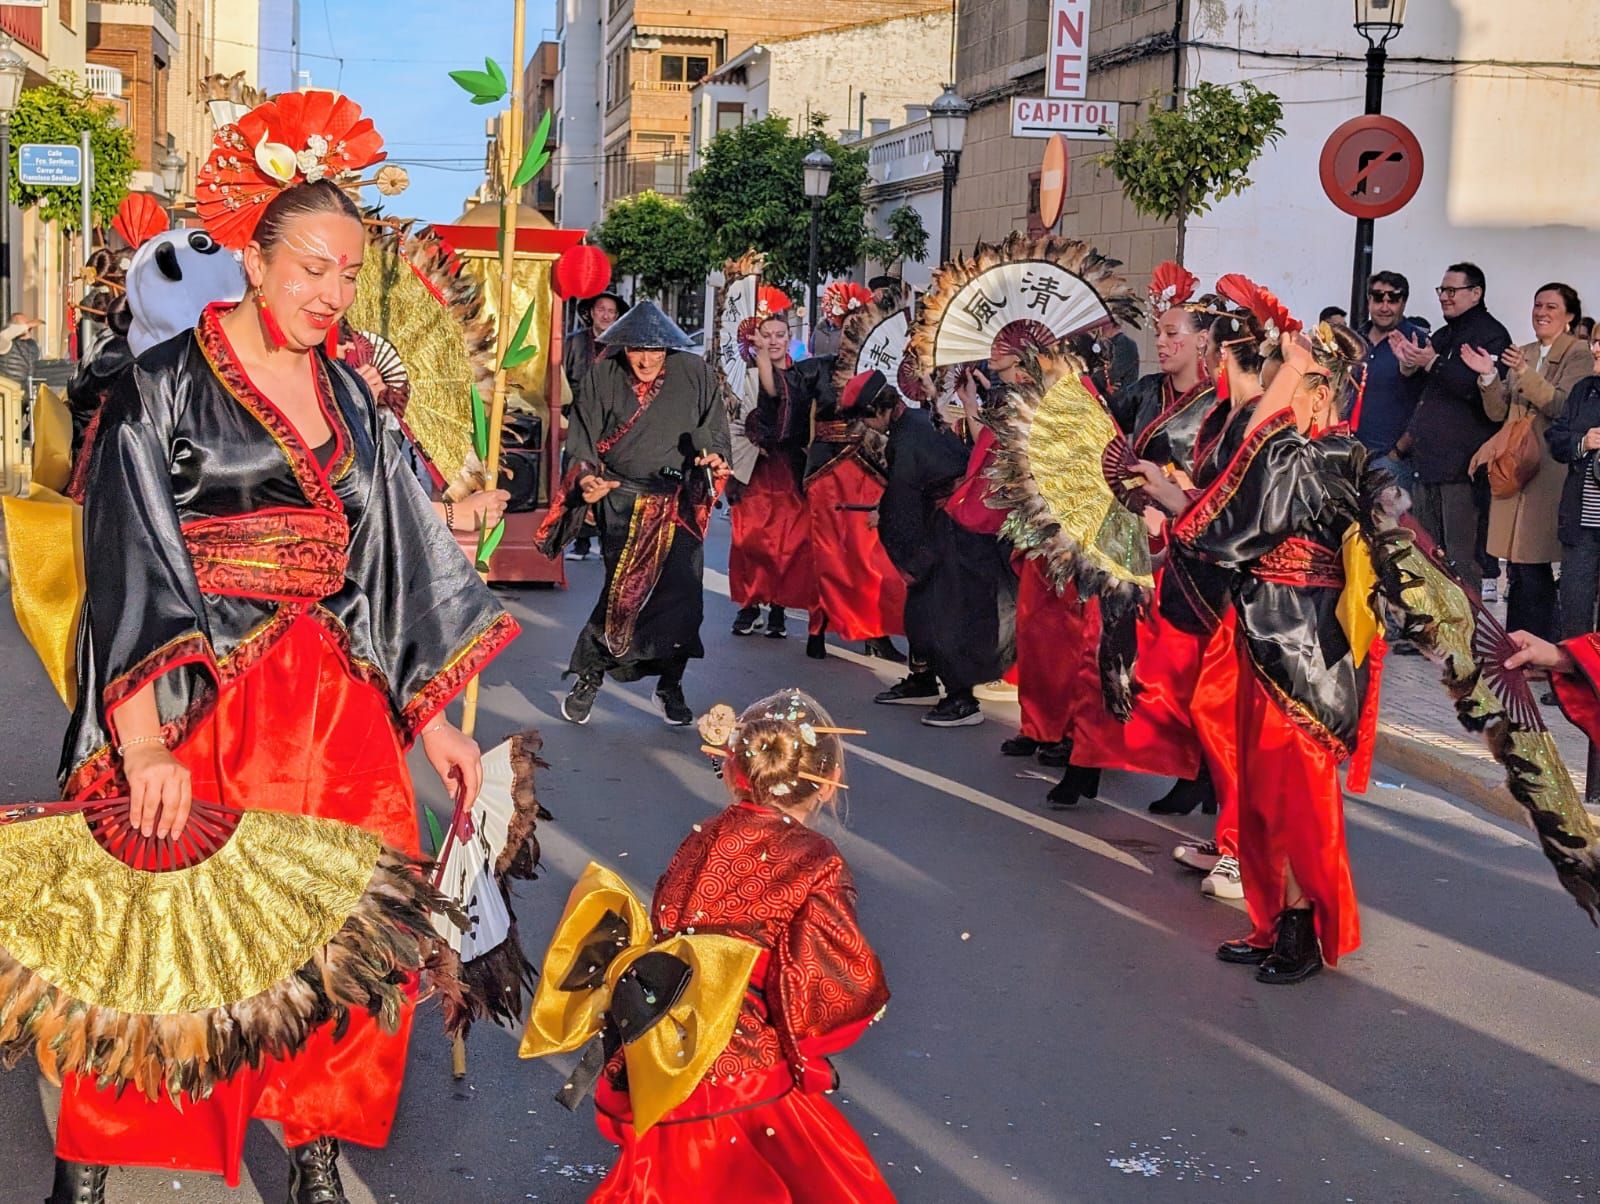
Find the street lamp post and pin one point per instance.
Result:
(1377, 21)
(818, 172)
(948, 117)
(12, 69)
(172, 168)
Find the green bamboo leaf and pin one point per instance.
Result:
(480, 426)
(488, 542)
(518, 356)
(519, 340)
(533, 162)
(486, 87)
(435, 832)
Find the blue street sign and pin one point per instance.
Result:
(50, 163)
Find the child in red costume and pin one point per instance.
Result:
(717, 1012)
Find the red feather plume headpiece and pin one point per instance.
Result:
(294, 138)
(1170, 284)
(842, 298)
(1270, 313)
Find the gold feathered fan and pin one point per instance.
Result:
(874, 337)
(1062, 284)
(413, 294)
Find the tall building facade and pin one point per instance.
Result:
(651, 54)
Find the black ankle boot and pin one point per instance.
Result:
(1187, 794)
(314, 1173)
(1076, 783)
(883, 648)
(78, 1183)
(1295, 955)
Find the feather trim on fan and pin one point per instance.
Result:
(1438, 614)
(866, 329)
(1062, 282)
(386, 939)
(1052, 444)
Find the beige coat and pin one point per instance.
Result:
(1522, 529)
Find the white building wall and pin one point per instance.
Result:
(578, 161)
(1510, 181)
(904, 171)
(898, 62)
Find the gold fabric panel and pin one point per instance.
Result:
(44, 532)
(213, 934)
(530, 282)
(668, 1062)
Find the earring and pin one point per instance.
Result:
(276, 339)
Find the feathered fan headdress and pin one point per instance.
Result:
(1270, 314)
(295, 138)
(1170, 284)
(842, 298)
(770, 302)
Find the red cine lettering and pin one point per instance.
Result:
(1069, 48)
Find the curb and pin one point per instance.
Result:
(1481, 785)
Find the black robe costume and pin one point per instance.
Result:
(652, 529)
(953, 608)
(237, 532)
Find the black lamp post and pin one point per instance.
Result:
(1377, 21)
(948, 117)
(13, 67)
(818, 171)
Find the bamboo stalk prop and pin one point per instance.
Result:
(511, 347)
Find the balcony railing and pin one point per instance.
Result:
(654, 85)
(24, 24)
(103, 81)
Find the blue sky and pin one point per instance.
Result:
(394, 58)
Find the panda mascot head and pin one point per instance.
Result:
(173, 277)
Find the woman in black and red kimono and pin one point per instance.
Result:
(769, 562)
(723, 1004)
(1275, 522)
(273, 617)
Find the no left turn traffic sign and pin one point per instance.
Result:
(1371, 166)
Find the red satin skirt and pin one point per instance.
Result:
(299, 734)
(1056, 661)
(1291, 817)
(795, 1149)
(1214, 711)
(860, 595)
(770, 562)
(1159, 736)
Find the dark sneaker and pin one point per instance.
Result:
(575, 707)
(1057, 755)
(777, 623)
(1019, 746)
(669, 699)
(955, 712)
(744, 623)
(883, 648)
(918, 690)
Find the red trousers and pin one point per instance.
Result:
(1054, 672)
(860, 595)
(299, 734)
(1291, 819)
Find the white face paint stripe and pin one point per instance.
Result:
(316, 246)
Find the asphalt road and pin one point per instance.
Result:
(1060, 1030)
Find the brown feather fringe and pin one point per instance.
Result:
(387, 939)
(857, 328)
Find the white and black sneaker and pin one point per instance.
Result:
(747, 620)
(1223, 881)
(579, 702)
(673, 708)
(1201, 855)
(959, 711)
(917, 690)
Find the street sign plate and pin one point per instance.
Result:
(1041, 116)
(1371, 166)
(1053, 181)
(50, 163)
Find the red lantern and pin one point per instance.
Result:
(581, 272)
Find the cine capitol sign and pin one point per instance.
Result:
(1067, 59)
(1039, 117)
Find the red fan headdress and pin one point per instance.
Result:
(770, 302)
(139, 217)
(842, 298)
(294, 138)
(1170, 284)
(1270, 313)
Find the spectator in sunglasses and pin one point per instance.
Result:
(1390, 396)
(1450, 422)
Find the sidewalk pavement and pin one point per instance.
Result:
(1419, 736)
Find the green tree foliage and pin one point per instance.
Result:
(908, 239)
(656, 239)
(59, 112)
(1179, 162)
(749, 191)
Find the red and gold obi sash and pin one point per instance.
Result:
(282, 555)
(1301, 562)
(834, 432)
